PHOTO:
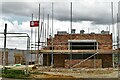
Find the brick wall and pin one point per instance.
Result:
(62, 60)
(19, 58)
(87, 64)
(106, 60)
(60, 41)
(46, 59)
(1, 58)
(59, 60)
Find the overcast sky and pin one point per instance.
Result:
(92, 16)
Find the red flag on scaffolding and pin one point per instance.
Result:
(34, 23)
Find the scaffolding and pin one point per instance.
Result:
(15, 35)
(95, 52)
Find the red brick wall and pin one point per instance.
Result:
(104, 43)
(46, 60)
(62, 60)
(59, 60)
(106, 60)
(87, 64)
(60, 41)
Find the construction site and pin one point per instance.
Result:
(66, 54)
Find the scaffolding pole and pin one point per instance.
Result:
(94, 55)
(4, 56)
(52, 62)
(118, 24)
(35, 43)
(37, 61)
(31, 39)
(48, 26)
(28, 46)
(47, 33)
(43, 31)
(113, 33)
(71, 33)
(118, 42)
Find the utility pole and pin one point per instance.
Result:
(4, 57)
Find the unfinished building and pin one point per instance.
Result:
(79, 50)
(15, 56)
(1, 58)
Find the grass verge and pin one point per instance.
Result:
(16, 74)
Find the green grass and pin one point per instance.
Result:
(17, 74)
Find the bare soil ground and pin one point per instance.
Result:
(47, 72)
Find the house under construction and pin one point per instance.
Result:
(78, 50)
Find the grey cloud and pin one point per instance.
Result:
(16, 8)
(97, 13)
